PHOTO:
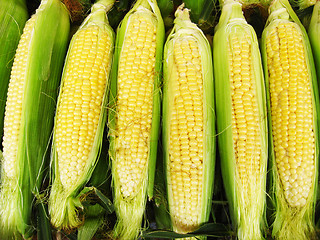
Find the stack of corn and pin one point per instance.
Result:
(188, 124)
(241, 120)
(81, 114)
(120, 79)
(29, 113)
(293, 103)
(135, 115)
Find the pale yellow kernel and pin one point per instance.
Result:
(287, 124)
(190, 123)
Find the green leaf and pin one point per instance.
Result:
(89, 228)
(105, 202)
(209, 229)
(91, 195)
(43, 223)
(167, 12)
(92, 223)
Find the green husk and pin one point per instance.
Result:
(44, 231)
(314, 36)
(160, 202)
(97, 203)
(65, 204)
(214, 230)
(184, 28)
(290, 222)
(130, 210)
(203, 13)
(302, 4)
(46, 51)
(13, 16)
(208, 16)
(94, 220)
(117, 13)
(247, 4)
(196, 8)
(166, 8)
(247, 208)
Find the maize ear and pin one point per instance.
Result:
(293, 104)
(241, 120)
(13, 16)
(188, 124)
(135, 115)
(29, 113)
(81, 114)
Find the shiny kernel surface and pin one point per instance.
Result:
(186, 136)
(13, 111)
(134, 103)
(81, 102)
(292, 113)
(245, 113)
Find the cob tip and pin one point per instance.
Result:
(64, 215)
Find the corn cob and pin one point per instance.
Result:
(134, 118)
(13, 16)
(81, 114)
(293, 121)
(29, 115)
(188, 124)
(241, 119)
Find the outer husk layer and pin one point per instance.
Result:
(314, 36)
(289, 222)
(65, 204)
(46, 52)
(184, 28)
(130, 211)
(247, 208)
(13, 16)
